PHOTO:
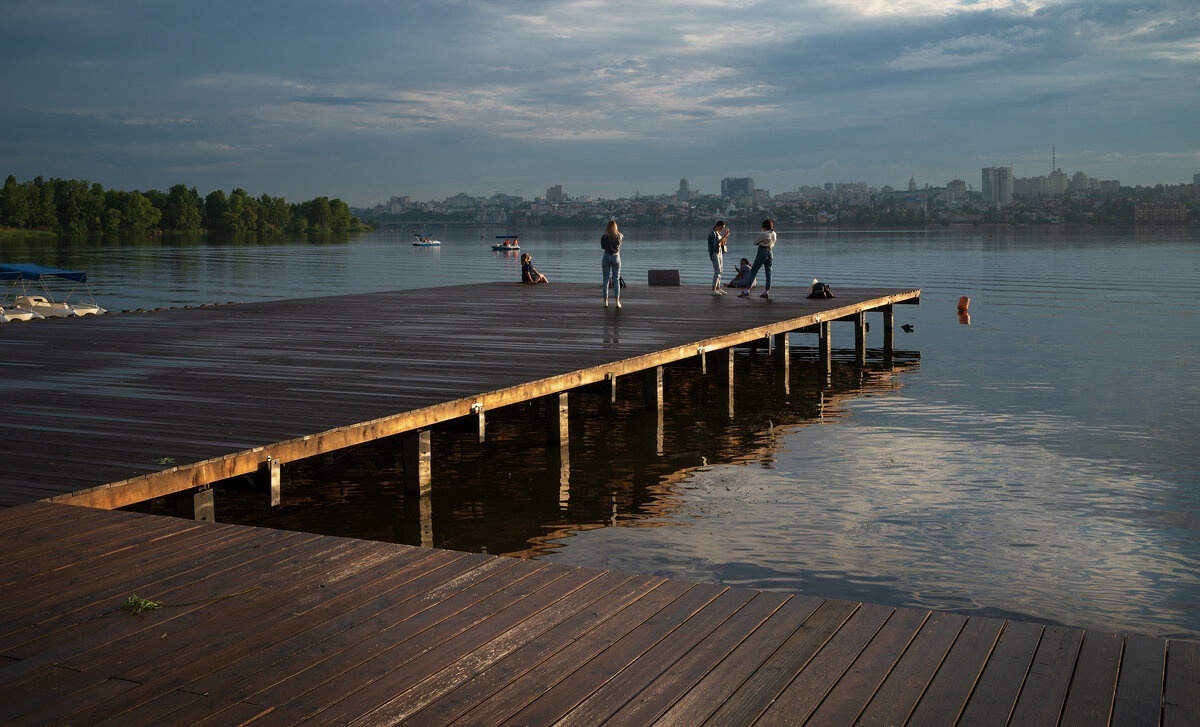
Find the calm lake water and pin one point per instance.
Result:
(1040, 461)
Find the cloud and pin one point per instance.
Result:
(778, 87)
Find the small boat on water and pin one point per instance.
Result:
(510, 242)
(41, 304)
(423, 240)
(13, 314)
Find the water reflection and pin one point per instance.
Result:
(514, 494)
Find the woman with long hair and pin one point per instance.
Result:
(764, 242)
(610, 263)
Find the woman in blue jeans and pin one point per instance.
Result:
(610, 264)
(764, 242)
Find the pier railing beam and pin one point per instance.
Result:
(418, 459)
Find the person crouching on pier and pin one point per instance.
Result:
(529, 274)
(743, 275)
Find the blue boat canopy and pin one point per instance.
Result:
(29, 271)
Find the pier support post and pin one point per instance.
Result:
(825, 344)
(783, 359)
(273, 471)
(782, 352)
(204, 505)
(558, 430)
(425, 505)
(482, 421)
(611, 379)
(653, 388)
(418, 469)
(860, 337)
(723, 369)
(564, 474)
(889, 329)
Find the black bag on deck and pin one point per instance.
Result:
(820, 290)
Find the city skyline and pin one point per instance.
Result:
(365, 100)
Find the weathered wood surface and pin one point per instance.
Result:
(176, 398)
(279, 628)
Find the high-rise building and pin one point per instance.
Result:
(956, 190)
(997, 188)
(554, 195)
(737, 187)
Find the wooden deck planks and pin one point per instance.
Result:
(107, 399)
(1140, 682)
(265, 627)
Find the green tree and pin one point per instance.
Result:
(340, 218)
(14, 204)
(139, 214)
(215, 207)
(274, 214)
(319, 213)
(42, 213)
(242, 214)
(77, 211)
(183, 209)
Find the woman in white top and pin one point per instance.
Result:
(764, 242)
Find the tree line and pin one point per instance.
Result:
(74, 207)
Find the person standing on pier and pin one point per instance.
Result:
(764, 242)
(716, 253)
(610, 264)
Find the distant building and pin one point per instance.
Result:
(1160, 212)
(554, 195)
(685, 191)
(997, 188)
(1057, 183)
(732, 187)
(956, 191)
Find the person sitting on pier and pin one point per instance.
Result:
(743, 274)
(529, 274)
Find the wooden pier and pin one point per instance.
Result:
(269, 627)
(119, 409)
(258, 626)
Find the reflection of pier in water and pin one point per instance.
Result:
(515, 494)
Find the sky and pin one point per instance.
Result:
(364, 100)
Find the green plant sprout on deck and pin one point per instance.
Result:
(135, 604)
